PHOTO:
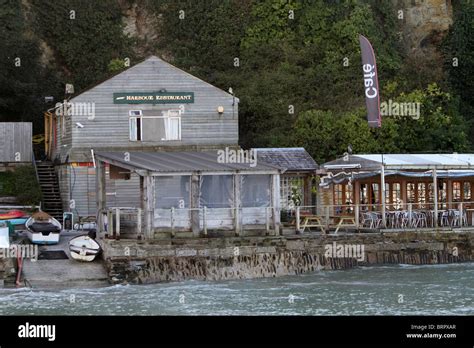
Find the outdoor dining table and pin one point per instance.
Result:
(343, 221)
(309, 221)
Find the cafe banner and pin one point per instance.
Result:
(371, 83)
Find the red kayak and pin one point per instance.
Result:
(12, 214)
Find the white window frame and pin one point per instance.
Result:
(133, 116)
(168, 116)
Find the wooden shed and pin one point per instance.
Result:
(16, 143)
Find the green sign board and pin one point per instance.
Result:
(154, 98)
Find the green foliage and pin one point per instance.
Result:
(440, 128)
(85, 35)
(459, 54)
(294, 65)
(21, 184)
(116, 65)
(7, 184)
(27, 188)
(22, 80)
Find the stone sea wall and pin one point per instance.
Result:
(141, 262)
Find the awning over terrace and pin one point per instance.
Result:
(343, 176)
(402, 162)
(414, 167)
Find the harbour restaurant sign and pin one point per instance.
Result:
(154, 98)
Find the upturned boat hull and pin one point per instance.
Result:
(84, 248)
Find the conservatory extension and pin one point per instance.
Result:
(190, 193)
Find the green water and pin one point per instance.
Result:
(384, 290)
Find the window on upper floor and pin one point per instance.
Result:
(144, 127)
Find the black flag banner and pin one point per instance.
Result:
(371, 83)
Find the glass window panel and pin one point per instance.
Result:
(256, 190)
(456, 191)
(172, 191)
(422, 194)
(411, 192)
(467, 191)
(364, 195)
(216, 191)
(397, 195)
(338, 194)
(153, 129)
(375, 197)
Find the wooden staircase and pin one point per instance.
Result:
(48, 181)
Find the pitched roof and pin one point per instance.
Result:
(154, 66)
(289, 158)
(182, 161)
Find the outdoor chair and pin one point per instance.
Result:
(456, 219)
(445, 218)
(368, 220)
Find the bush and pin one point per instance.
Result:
(7, 184)
(22, 184)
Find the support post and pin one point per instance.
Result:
(275, 199)
(410, 214)
(298, 227)
(149, 182)
(327, 218)
(382, 184)
(238, 203)
(267, 220)
(461, 214)
(204, 218)
(139, 223)
(435, 196)
(356, 216)
(172, 221)
(117, 223)
(195, 223)
(101, 198)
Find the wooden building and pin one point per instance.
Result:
(151, 106)
(298, 177)
(193, 192)
(153, 133)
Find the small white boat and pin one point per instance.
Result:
(4, 235)
(43, 228)
(84, 248)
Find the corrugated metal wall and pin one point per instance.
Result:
(16, 142)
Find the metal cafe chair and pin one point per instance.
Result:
(368, 220)
(377, 217)
(419, 219)
(457, 219)
(444, 221)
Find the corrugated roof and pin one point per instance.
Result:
(179, 162)
(289, 158)
(408, 161)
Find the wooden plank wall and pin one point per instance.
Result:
(16, 139)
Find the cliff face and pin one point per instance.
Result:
(425, 24)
